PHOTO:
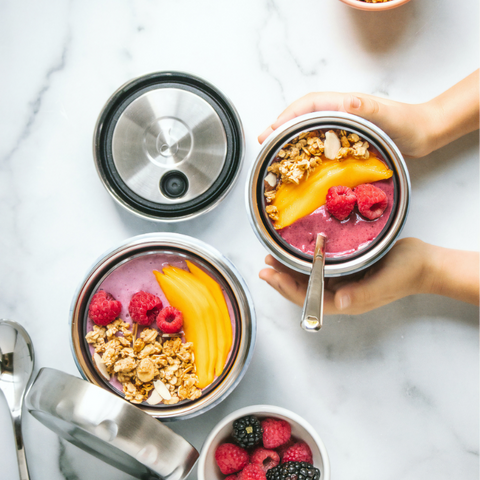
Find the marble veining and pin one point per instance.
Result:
(392, 393)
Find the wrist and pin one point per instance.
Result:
(428, 127)
(432, 268)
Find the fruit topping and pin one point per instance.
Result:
(170, 320)
(340, 201)
(332, 145)
(104, 308)
(247, 431)
(231, 458)
(267, 459)
(252, 472)
(371, 201)
(300, 452)
(294, 471)
(144, 308)
(275, 432)
(293, 202)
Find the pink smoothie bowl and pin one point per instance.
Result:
(375, 7)
(301, 430)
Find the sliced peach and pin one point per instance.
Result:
(295, 201)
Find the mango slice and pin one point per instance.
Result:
(225, 338)
(296, 201)
(211, 315)
(194, 324)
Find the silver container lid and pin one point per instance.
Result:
(109, 428)
(168, 146)
(220, 268)
(329, 120)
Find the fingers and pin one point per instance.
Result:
(313, 102)
(285, 284)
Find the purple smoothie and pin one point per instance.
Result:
(343, 237)
(135, 275)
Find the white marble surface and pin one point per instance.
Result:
(393, 393)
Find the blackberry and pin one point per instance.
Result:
(247, 431)
(293, 471)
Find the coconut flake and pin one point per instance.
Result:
(161, 389)
(154, 398)
(332, 145)
(102, 368)
(271, 179)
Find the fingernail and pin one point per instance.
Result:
(344, 302)
(355, 102)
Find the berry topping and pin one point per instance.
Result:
(340, 202)
(104, 308)
(300, 452)
(267, 459)
(231, 458)
(371, 201)
(294, 471)
(144, 308)
(170, 320)
(275, 432)
(247, 431)
(252, 472)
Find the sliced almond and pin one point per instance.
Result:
(271, 179)
(102, 368)
(154, 398)
(162, 390)
(332, 145)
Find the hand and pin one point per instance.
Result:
(417, 130)
(403, 122)
(411, 267)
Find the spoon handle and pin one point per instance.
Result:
(21, 457)
(312, 314)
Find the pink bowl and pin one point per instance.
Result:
(375, 6)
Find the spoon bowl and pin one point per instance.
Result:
(17, 360)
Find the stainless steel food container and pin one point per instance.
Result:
(204, 255)
(168, 146)
(328, 120)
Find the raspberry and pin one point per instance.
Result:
(144, 308)
(230, 458)
(170, 320)
(104, 308)
(231, 477)
(371, 201)
(252, 472)
(340, 201)
(275, 432)
(267, 459)
(300, 452)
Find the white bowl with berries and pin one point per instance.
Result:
(263, 442)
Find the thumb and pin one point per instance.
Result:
(366, 107)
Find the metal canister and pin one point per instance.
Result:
(237, 294)
(296, 259)
(168, 146)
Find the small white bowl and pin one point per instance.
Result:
(301, 429)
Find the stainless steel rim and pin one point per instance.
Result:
(114, 194)
(108, 428)
(309, 122)
(230, 274)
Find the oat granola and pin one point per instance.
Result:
(140, 363)
(299, 158)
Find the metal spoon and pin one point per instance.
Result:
(312, 314)
(17, 359)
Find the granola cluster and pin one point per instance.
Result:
(140, 363)
(299, 158)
